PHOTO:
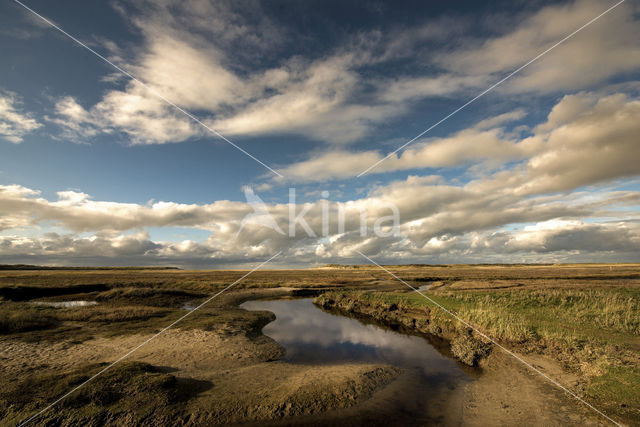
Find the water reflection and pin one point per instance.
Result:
(65, 304)
(311, 335)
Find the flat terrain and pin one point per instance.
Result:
(579, 324)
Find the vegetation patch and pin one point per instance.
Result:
(159, 297)
(619, 385)
(12, 322)
(23, 293)
(468, 349)
(109, 314)
(585, 330)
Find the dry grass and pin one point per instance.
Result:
(109, 314)
(593, 332)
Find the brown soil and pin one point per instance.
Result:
(246, 382)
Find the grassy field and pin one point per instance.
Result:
(586, 317)
(592, 329)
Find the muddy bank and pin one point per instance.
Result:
(216, 367)
(462, 343)
(231, 371)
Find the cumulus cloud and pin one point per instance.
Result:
(435, 219)
(555, 241)
(606, 48)
(555, 236)
(14, 123)
(229, 63)
(466, 146)
(586, 138)
(76, 211)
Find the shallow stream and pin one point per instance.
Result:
(313, 336)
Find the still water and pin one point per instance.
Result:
(311, 335)
(65, 304)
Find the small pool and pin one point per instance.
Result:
(311, 335)
(65, 304)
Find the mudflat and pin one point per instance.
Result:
(578, 324)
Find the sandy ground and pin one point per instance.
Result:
(246, 381)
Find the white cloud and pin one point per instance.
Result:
(179, 61)
(462, 148)
(575, 235)
(602, 50)
(585, 146)
(587, 138)
(405, 89)
(569, 241)
(14, 123)
(142, 117)
(208, 57)
(436, 219)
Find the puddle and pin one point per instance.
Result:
(191, 305)
(65, 304)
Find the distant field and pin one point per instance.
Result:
(45, 267)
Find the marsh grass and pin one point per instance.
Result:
(595, 332)
(614, 386)
(109, 314)
(145, 295)
(517, 315)
(31, 323)
(16, 321)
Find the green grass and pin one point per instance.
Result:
(594, 332)
(604, 316)
(619, 384)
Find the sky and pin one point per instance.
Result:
(216, 134)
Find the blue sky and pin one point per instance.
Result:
(97, 169)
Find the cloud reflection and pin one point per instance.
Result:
(311, 335)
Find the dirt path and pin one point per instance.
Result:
(508, 393)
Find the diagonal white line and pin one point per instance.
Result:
(506, 350)
(492, 87)
(152, 91)
(133, 350)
